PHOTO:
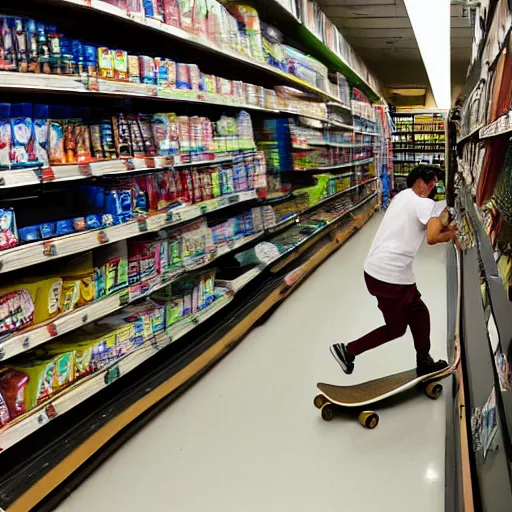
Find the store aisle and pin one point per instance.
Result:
(247, 438)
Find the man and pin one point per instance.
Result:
(389, 275)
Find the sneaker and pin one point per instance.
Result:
(427, 366)
(345, 360)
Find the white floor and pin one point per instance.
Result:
(247, 438)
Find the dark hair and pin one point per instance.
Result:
(427, 173)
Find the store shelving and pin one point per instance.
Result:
(161, 211)
(418, 137)
(39, 252)
(481, 187)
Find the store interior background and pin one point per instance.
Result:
(381, 34)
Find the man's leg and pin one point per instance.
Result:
(395, 316)
(418, 318)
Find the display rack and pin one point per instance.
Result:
(419, 137)
(139, 245)
(482, 178)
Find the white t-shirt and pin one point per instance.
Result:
(400, 236)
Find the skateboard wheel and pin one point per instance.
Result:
(319, 401)
(369, 419)
(327, 412)
(433, 390)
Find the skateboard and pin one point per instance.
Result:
(361, 396)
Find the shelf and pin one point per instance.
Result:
(470, 134)
(373, 134)
(336, 195)
(71, 172)
(501, 126)
(23, 341)
(420, 132)
(47, 250)
(116, 15)
(70, 397)
(337, 166)
(429, 150)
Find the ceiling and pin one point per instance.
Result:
(381, 34)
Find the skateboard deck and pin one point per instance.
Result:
(376, 390)
(373, 391)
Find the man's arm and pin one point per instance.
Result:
(438, 234)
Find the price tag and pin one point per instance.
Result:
(26, 343)
(143, 224)
(234, 199)
(102, 237)
(49, 249)
(93, 84)
(50, 411)
(2, 353)
(84, 170)
(2, 182)
(203, 208)
(130, 166)
(52, 330)
(48, 174)
(150, 163)
(112, 374)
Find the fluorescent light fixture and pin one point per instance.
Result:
(430, 20)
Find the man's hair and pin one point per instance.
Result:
(427, 173)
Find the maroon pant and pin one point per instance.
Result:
(401, 306)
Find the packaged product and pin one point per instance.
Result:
(199, 14)
(186, 8)
(5, 135)
(161, 72)
(7, 50)
(17, 310)
(250, 30)
(133, 69)
(43, 49)
(12, 392)
(122, 138)
(172, 13)
(8, 231)
(41, 378)
(120, 64)
(147, 69)
(154, 9)
(183, 78)
(105, 62)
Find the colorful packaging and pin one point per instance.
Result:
(5, 135)
(147, 69)
(172, 13)
(56, 153)
(199, 13)
(43, 49)
(186, 8)
(171, 73)
(120, 58)
(7, 50)
(40, 127)
(154, 9)
(41, 377)
(161, 72)
(183, 80)
(122, 137)
(133, 69)
(12, 389)
(91, 60)
(105, 63)
(54, 40)
(17, 310)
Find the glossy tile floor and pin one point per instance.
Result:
(247, 438)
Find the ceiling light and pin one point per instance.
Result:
(431, 24)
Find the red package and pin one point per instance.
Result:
(172, 13)
(186, 186)
(12, 388)
(197, 197)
